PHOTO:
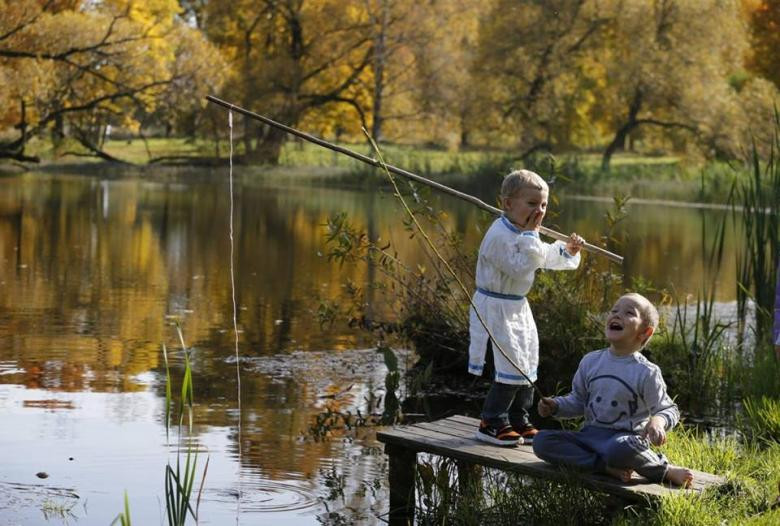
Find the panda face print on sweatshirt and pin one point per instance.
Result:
(611, 400)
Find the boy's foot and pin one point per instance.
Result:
(527, 432)
(682, 477)
(623, 475)
(503, 436)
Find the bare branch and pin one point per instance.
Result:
(656, 122)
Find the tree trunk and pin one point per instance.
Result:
(465, 131)
(268, 147)
(15, 149)
(379, 73)
(620, 136)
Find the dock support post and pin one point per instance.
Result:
(403, 463)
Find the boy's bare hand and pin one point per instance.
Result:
(547, 407)
(655, 431)
(574, 244)
(534, 221)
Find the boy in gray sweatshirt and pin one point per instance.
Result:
(624, 400)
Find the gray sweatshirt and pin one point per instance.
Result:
(618, 392)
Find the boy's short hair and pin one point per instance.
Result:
(520, 179)
(647, 310)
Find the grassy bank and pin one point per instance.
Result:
(503, 499)
(478, 171)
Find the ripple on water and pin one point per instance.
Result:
(266, 496)
(318, 366)
(17, 496)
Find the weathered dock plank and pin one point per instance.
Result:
(453, 437)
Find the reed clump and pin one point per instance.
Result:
(180, 480)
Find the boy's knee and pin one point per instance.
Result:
(622, 453)
(541, 443)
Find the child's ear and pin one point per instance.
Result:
(646, 334)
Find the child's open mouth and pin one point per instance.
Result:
(615, 326)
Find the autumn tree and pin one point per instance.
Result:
(526, 64)
(432, 99)
(765, 39)
(664, 65)
(396, 30)
(291, 57)
(71, 67)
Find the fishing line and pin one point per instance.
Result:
(235, 320)
(446, 263)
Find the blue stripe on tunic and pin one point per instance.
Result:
(499, 295)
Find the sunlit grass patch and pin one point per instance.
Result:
(761, 418)
(499, 498)
(747, 496)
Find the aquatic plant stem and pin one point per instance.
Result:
(446, 264)
(235, 320)
(178, 483)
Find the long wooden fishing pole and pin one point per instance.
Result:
(409, 175)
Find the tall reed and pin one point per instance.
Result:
(693, 350)
(759, 199)
(757, 262)
(761, 418)
(179, 481)
(123, 519)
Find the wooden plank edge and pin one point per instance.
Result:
(531, 465)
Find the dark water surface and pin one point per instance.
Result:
(94, 272)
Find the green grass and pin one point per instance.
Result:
(752, 481)
(761, 418)
(123, 519)
(750, 470)
(59, 509)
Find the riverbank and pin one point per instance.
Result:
(667, 178)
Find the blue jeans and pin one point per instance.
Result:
(508, 404)
(594, 448)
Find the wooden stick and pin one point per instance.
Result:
(409, 175)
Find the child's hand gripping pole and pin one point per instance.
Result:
(546, 407)
(493, 341)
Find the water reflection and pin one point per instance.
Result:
(93, 272)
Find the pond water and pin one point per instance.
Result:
(95, 271)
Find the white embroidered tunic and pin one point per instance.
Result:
(508, 259)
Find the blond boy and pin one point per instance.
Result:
(509, 256)
(624, 400)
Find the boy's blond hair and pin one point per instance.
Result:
(647, 312)
(520, 179)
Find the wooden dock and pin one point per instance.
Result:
(453, 438)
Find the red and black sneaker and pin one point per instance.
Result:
(503, 436)
(527, 432)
